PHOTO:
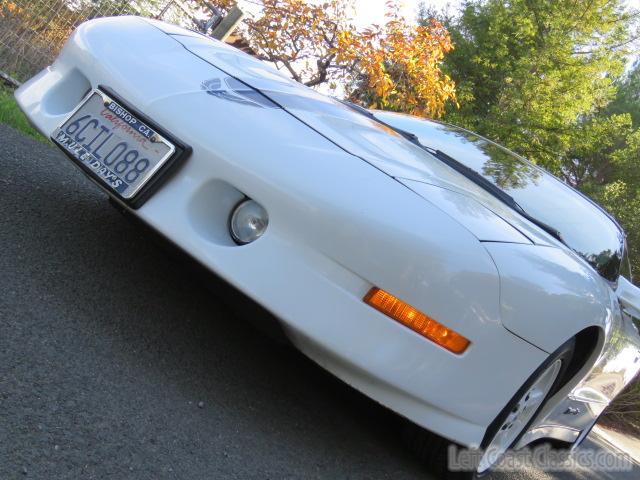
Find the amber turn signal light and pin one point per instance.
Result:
(416, 320)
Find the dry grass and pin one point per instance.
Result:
(624, 413)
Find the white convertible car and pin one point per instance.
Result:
(440, 274)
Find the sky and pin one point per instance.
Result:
(369, 11)
(372, 11)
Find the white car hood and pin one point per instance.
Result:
(479, 211)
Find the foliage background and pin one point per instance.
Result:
(547, 79)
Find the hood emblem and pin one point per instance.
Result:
(228, 88)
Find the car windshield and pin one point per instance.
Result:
(582, 225)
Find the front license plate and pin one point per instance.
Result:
(117, 148)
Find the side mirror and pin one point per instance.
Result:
(629, 297)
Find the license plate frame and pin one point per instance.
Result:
(139, 193)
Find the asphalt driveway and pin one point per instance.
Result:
(117, 362)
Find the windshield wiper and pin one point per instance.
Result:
(460, 167)
(475, 177)
(497, 192)
(412, 137)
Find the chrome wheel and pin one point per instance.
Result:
(520, 416)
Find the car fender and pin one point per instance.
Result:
(548, 294)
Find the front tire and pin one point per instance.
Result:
(508, 427)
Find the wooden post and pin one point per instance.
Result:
(164, 10)
(9, 80)
(228, 24)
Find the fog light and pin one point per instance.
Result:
(248, 222)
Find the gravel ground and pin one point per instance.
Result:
(117, 362)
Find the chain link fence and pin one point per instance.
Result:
(32, 32)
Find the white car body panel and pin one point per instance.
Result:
(571, 301)
(340, 223)
(484, 224)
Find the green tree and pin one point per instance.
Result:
(620, 194)
(530, 73)
(545, 78)
(627, 99)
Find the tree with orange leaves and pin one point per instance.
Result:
(399, 66)
(395, 66)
